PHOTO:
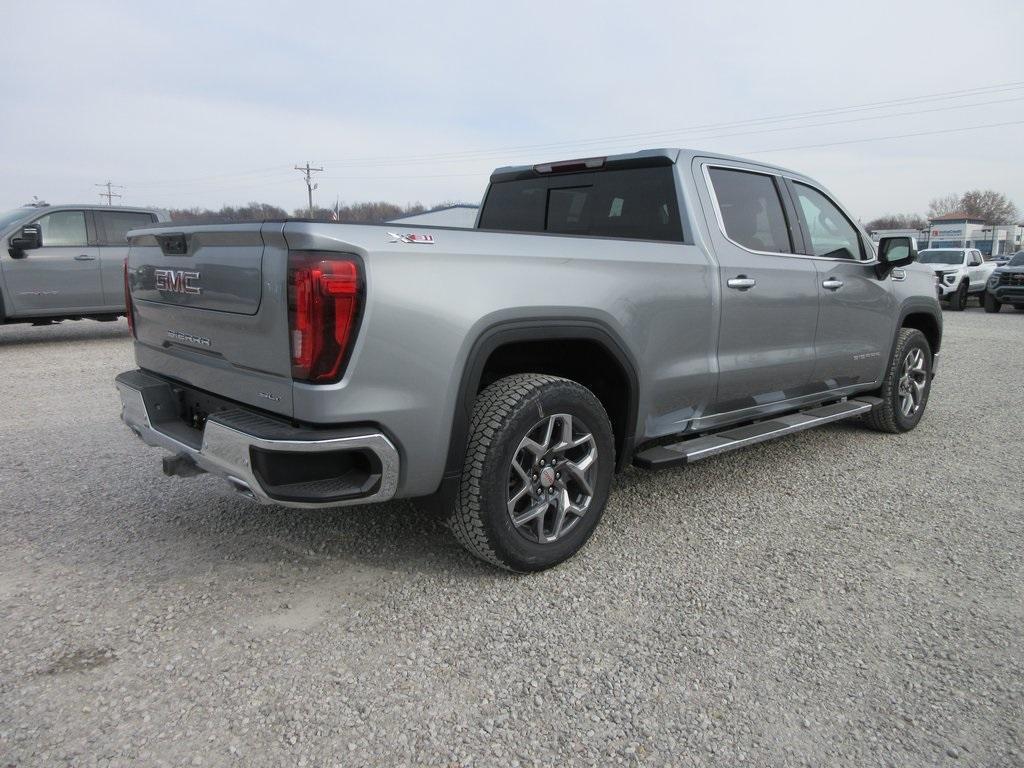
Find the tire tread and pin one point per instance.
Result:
(493, 407)
(883, 416)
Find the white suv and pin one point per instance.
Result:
(959, 273)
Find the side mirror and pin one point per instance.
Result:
(30, 237)
(895, 252)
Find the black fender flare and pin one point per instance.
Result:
(535, 329)
(921, 306)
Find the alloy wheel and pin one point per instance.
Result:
(551, 478)
(912, 383)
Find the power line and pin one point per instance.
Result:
(308, 172)
(744, 152)
(469, 155)
(883, 138)
(992, 89)
(109, 194)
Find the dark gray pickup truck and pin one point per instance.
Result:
(66, 261)
(655, 308)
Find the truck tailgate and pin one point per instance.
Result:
(210, 309)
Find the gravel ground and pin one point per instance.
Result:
(839, 597)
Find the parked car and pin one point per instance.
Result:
(1006, 285)
(959, 273)
(65, 262)
(655, 308)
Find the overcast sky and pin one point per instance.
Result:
(201, 104)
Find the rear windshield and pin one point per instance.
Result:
(635, 203)
(940, 257)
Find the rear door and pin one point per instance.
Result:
(769, 301)
(856, 320)
(63, 275)
(112, 228)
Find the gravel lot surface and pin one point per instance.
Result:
(838, 597)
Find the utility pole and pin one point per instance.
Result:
(109, 194)
(307, 172)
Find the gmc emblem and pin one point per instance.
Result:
(177, 281)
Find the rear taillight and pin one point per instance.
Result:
(325, 297)
(129, 310)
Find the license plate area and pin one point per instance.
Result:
(195, 407)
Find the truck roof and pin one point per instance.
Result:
(672, 155)
(91, 207)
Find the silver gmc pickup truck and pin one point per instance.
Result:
(654, 308)
(65, 262)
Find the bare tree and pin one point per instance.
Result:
(897, 221)
(988, 205)
(362, 213)
(991, 206)
(356, 213)
(251, 212)
(940, 206)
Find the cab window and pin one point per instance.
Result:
(114, 226)
(831, 233)
(63, 228)
(751, 210)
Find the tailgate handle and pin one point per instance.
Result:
(173, 244)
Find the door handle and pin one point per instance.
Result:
(84, 257)
(832, 284)
(741, 283)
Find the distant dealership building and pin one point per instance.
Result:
(955, 230)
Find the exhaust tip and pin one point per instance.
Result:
(241, 487)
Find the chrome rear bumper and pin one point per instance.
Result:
(234, 443)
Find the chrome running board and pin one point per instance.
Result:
(730, 439)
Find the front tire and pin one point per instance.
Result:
(906, 386)
(537, 474)
(992, 304)
(958, 299)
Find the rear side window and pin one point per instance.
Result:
(63, 228)
(751, 210)
(633, 203)
(831, 232)
(114, 226)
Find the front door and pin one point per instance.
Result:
(769, 295)
(976, 272)
(855, 323)
(62, 275)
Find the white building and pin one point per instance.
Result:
(462, 216)
(955, 230)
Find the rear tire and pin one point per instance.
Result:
(958, 298)
(992, 304)
(537, 474)
(907, 382)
